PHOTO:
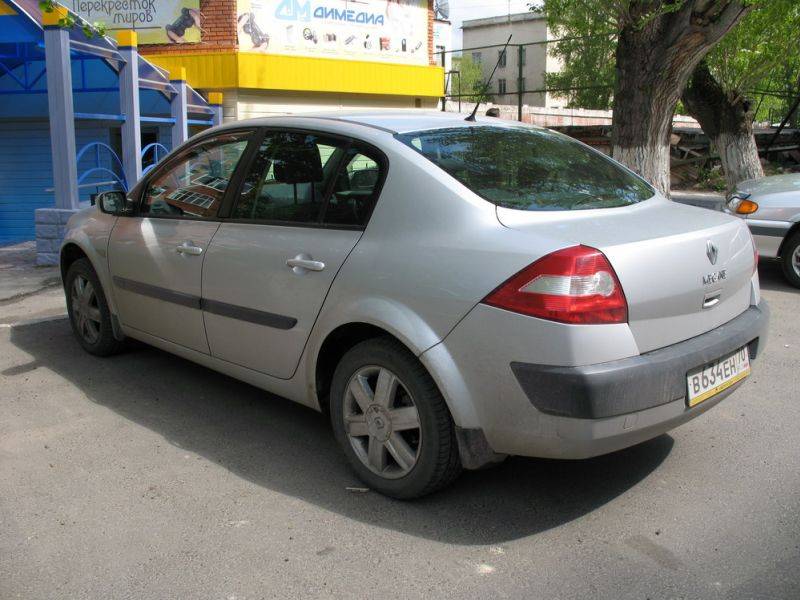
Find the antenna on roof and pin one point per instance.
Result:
(471, 116)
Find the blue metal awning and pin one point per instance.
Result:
(95, 67)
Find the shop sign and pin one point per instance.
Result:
(155, 21)
(373, 30)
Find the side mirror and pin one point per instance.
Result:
(113, 203)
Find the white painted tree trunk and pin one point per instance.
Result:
(652, 163)
(739, 156)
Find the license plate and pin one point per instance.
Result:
(710, 380)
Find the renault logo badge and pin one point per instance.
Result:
(711, 252)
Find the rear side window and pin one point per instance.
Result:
(529, 169)
(288, 179)
(303, 178)
(356, 190)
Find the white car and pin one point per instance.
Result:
(450, 292)
(771, 208)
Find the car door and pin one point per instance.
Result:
(156, 256)
(299, 212)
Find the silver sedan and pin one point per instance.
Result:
(771, 208)
(448, 292)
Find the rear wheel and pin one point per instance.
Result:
(392, 422)
(88, 310)
(791, 260)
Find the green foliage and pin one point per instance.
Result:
(68, 22)
(472, 81)
(761, 54)
(586, 33)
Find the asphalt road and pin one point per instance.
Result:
(145, 476)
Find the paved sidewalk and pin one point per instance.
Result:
(26, 291)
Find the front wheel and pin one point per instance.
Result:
(791, 260)
(391, 421)
(88, 310)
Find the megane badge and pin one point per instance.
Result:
(711, 252)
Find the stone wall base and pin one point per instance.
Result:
(51, 224)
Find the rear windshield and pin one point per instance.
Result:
(529, 169)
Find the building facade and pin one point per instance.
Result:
(279, 56)
(525, 63)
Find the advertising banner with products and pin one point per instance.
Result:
(372, 30)
(155, 21)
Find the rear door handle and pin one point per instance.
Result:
(189, 248)
(303, 262)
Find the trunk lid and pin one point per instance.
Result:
(660, 251)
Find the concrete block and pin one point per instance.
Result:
(46, 215)
(64, 215)
(46, 231)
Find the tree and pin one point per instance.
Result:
(719, 92)
(658, 45)
(471, 79)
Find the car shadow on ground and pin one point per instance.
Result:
(288, 448)
(770, 276)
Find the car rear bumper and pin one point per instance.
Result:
(580, 411)
(640, 382)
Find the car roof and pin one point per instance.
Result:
(391, 121)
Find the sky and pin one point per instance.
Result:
(464, 10)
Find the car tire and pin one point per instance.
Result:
(400, 439)
(790, 259)
(88, 310)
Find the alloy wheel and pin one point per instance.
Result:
(796, 260)
(382, 422)
(85, 309)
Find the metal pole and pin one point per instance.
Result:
(129, 104)
(215, 100)
(459, 91)
(444, 70)
(520, 54)
(178, 108)
(62, 110)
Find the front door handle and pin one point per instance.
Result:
(189, 248)
(303, 262)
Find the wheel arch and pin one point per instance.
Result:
(795, 228)
(71, 252)
(335, 345)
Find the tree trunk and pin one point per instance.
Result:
(655, 57)
(727, 120)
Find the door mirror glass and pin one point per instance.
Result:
(113, 203)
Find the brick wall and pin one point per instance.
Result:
(219, 26)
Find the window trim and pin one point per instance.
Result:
(377, 154)
(161, 168)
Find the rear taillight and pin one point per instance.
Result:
(574, 285)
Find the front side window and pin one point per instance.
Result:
(529, 169)
(193, 186)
